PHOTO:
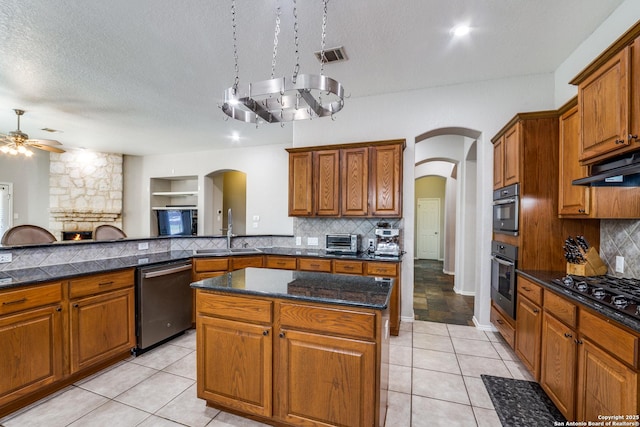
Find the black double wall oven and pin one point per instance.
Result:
(504, 258)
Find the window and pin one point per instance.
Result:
(6, 209)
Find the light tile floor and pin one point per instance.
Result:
(434, 381)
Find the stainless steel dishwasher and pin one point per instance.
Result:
(163, 303)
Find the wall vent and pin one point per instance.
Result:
(333, 54)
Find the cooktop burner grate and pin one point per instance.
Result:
(620, 294)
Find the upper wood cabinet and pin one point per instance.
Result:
(506, 157)
(351, 180)
(573, 200)
(607, 101)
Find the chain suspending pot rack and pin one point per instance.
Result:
(283, 99)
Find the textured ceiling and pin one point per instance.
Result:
(147, 76)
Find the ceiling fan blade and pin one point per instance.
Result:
(43, 142)
(47, 148)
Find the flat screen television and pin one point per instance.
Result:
(175, 222)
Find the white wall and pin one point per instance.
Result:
(267, 170)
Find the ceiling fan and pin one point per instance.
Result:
(18, 142)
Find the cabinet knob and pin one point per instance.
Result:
(567, 335)
(75, 305)
(281, 334)
(58, 309)
(619, 141)
(634, 137)
(578, 341)
(265, 333)
(535, 310)
(581, 211)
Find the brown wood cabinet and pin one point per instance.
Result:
(506, 157)
(31, 333)
(578, 201)
(102, 318)
(607, 92)
(275, 378)
(504, 323)
(361, 179)
(558, 367)
(537, 136)
(529, 325)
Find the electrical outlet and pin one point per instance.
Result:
(371, 243)
(298, 241)
(143, 245)
(312, 241)
(256, 217)
(255, 225)
(143, 260)
(6, 257)
(619, 264)
(6, 281)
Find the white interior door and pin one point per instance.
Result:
(428, 228)
(6, 208)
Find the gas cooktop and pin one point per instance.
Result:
(621, 294)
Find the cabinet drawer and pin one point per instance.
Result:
(505, 328)
(231, 307)
(246, 262)
(328, 321)
(382, 269)
(314, 264)
(610, 337)
(30, 297)
(561, 308)
(97, 283)
(210, 264)
(348, 267)
(284, 263)
(530, 290)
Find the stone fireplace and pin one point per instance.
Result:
(85, 190)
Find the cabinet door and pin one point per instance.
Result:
(511, 173)
(354, 181)
(498, 163)
(341, 393)
(300, 184)
(605, 385)
(572, 199)
(31, 351)
(558, 364)
(102, 327)
(327, 183)
(234, 364)
(528, 335)
(603, 100)
(386, 180)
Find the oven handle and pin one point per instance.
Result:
(504, 201)
(503, 262)
(167, 271)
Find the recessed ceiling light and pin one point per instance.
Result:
(235, 137)
(51, 130)
(460, 30)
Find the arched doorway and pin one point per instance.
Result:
(224, 190)
(450, 153)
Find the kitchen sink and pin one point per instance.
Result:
(225, 251)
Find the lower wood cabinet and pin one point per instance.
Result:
(31, 333)
(102, 326)
(504, 324)
(528, 334)
(291, 363)
(558, 370)
(54, 334)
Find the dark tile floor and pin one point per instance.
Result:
(434, 299)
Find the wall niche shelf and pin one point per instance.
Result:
(171, 193)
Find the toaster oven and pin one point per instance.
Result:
(342, 243)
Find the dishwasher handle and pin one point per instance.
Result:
(167, 271)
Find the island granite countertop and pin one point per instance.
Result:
(340, 289)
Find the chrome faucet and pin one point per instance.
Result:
(229, 228)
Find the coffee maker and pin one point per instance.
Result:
(387, 242)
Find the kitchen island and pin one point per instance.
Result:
(294, 348)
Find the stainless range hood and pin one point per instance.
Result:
(621, 172)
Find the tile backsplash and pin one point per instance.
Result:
(621, 238)
(306, 228)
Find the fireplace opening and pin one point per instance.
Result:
(77, 235)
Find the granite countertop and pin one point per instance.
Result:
(544, 278)
(48, 273)
(340, 289)
(28, 276)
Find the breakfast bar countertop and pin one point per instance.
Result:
(341, 289)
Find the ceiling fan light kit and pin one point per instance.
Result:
(283, 99)
(18, 142)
